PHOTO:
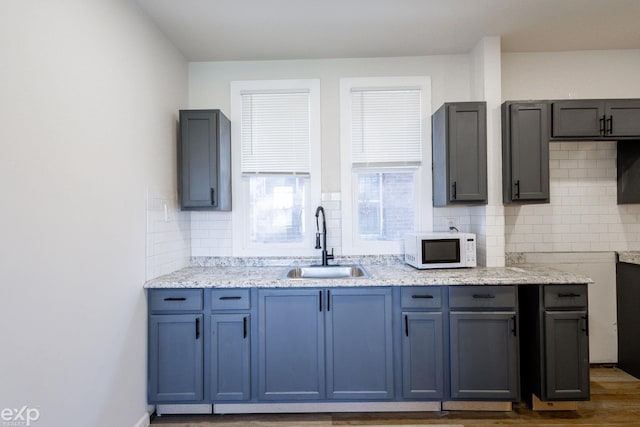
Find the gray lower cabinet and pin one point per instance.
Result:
(422, 343)
(230, 357)
(525, 152)
(176, 346)
(483, 343)
(359, 344)
(628, 303)
(291, 343)
(297, 327)
(205, 160)
(460, 153)
(596, 119)
(555, 362)
(175, 358)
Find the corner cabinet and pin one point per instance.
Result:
(484, 343)
(555, 363)
(525, 152)
(204, 160)
(459, 133)
(597, 119)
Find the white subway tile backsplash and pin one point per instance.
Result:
(583, 215)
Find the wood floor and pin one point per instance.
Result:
(615, 401)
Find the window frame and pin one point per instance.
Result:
(423, 209)
(240, 186)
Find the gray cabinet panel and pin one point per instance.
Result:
(628, 302)
(599, 119)
(628, 171)
(578, 118)
(623, 118)
(567, 355)
(175, 358)
(525, 152)
(460, 153)
(205, 160)
(555, 352)
(484, 359)
(230, 371)
(291, 344)
(359, 344)
(422, 355)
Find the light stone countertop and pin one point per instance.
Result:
(631, 257)
(380, 275)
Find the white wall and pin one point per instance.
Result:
(583, 217)
(89, 98)
(209, 88)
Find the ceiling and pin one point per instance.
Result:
(226, 30)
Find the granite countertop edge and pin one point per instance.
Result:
(380, 275)
(630, 257)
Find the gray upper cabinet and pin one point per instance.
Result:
(359, 344)
(459, 133)
(596, 119)
(205, 160)
(525, 152)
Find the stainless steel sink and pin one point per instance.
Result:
(325, 272)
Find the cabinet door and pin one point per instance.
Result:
(359, 344)
(467, 128)
(566, 355)
(422, 355)
(484, 359)
(230, 372)
(205, 160)
(578, 119)
(198, 158)
(527, 153)
(291, 344)
(623, 118)
(175, 358)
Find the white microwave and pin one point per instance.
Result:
(440, 250)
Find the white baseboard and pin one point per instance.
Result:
(144, 421)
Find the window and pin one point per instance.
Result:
(386, 189)
(275, 135)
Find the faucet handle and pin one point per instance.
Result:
(330, 256)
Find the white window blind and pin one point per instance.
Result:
(385, 127)
(275, 132)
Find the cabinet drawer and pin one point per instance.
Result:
(565, 296)
(421, 297)
(482, 296)
(230, 299)
(175, 299)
